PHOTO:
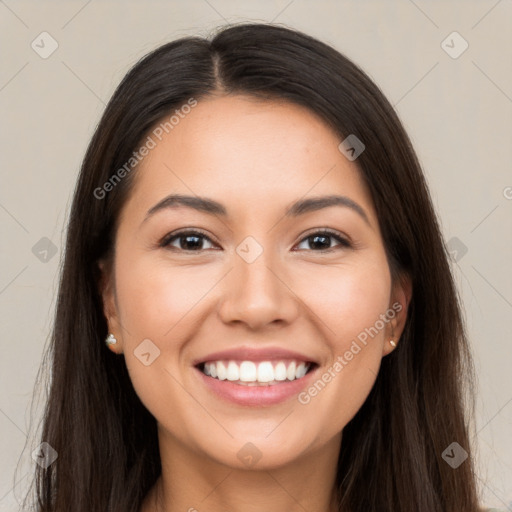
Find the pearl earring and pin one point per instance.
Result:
(392, 343)
(110, 340)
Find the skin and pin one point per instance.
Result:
(256, 158)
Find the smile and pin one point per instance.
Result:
(255, 384)
(251, 373)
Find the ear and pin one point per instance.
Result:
(399, 304)
(108, 295)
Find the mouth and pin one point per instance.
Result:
(255, 376)
(257, 373)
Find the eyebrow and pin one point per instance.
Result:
(300, 207)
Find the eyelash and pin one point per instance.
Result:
(344, 243)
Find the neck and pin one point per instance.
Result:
(192, 482)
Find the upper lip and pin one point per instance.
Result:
(254, 354)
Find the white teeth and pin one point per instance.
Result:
(290, 373)
(265, 372)
(280, 371)
(250, 373)
(233, 373)
(221, 371)
(300, 371)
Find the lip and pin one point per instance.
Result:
(254, 354)
(256, 396)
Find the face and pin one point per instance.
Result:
(261, 290)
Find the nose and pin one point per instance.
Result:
(258, 293)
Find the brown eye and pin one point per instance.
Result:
(322, 240)
(187, 241)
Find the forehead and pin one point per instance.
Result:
(247, 153)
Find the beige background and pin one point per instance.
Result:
(458, 112)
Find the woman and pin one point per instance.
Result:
(252, 236)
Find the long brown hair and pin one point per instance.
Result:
(391, 455)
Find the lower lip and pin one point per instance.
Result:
(256, 395)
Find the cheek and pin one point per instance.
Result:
(154, 296)
(156, 302)
(347, 299)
